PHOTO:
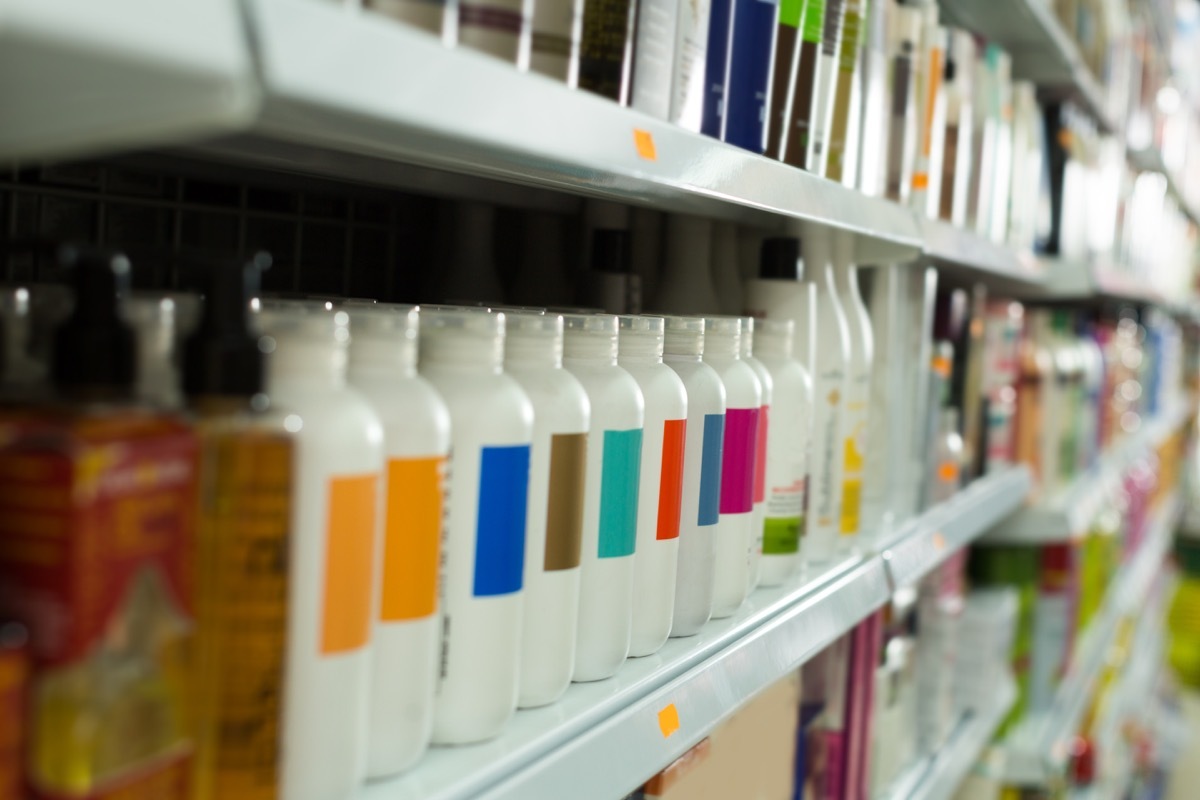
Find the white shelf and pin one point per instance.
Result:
(1041, 49)
(1149, 159)
(921, 544)
(957, 248)
(1037, 750)
(604, 739)
(1068, 515)
(79, 77)
(938, 776)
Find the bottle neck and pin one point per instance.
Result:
(641, 348)
(721, 347)
(451, 351)
(383, 357)
(774, 346)
(307, 363)
(533, 352)
(584, 349)
(683, 346)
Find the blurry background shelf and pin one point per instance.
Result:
(961, 250)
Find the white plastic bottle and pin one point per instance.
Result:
(416, 437)
(554, 46)
(761, 448)
(339, 458)
(858, 394)
(491, 423)
(683, 351)
(533, 347)
(787, 450)
(610, 497)
(829, 402)
(686, 283)
(653, 56)
(640, 353)
(780, 292)
(691, 47)
(743, 401)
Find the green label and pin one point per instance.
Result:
(619, 474)
(790, 12)
(781, 535)
(814, 21)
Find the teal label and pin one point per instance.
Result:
(619, 474)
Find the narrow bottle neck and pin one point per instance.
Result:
(462, 352)
(640, 348)
(584, 349)
(383, 357)
(316, 364)
(683, 346)
(533, 352)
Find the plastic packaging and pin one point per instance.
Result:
(788, 446)
(748, 75)
(491, 426)
(611, 495)
(605, 49)
(761, 447)
(824, 92)
(743, 398)
(335, 530)
(858, 395)
(554, 46)
(416, 436)
(660, 494)
(498, 27)
(687, 82)
(653, 56)
(533, 349)
(796, 140)
(683, 352)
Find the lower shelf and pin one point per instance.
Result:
(604, 739)
(938, 776)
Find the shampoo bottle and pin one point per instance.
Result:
(683, 352)
(687, 81)
(491, 427)
(416, 439)
(606, 48)
(338, 461)
(797, 139)
(716, 68)
(823, 95)
(610, 503)
(498, 27)
(858, 392)
(655, 562)
(554, 45)
(653, 56)
(783, 78)
(533, 352)
(743, 392)
(760, 448)
(751, 53)
(842, 161)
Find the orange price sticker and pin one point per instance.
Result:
(939, 541)
(644, 141)
(668, 720)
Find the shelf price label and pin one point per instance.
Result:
(668, 720)
(644, 142)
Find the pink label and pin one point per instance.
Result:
(737, 460)
(760, 455)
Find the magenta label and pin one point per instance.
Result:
(737, 460)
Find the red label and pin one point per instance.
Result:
(670, 485)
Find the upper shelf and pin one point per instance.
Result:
(603, 739)
(1149, 159)
(1068, 515)
(79, 76)
(1042, 51)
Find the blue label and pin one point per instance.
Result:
(710, 469)
(750, 57)
(619, 474)
(500, 524)
(716, 60)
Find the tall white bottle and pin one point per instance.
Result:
(416, 437)
(683, 351)
(829, 404)
(686, 283)
(743, 402)
(691, 47)
(611, 495)
(761, 447)
(858, 392)
(339, 458)
(491, 420)
(554, 45)
(655, 563)
(654, 56)
(533, 348)
(787, 449)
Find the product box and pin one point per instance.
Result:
(96, 539)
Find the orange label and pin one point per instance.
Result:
(349, 546)
(668, 720)
(412, 535)
(644, 141)
(939, 541)
(948, 471)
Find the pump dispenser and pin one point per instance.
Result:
(611, 495)
(491, 419)
(338, 461)
(95, 351)
(761, 447)
(683, 351)
(640, 353)
(743, 392)
(416, 435)
(246, 481)
(533, 353)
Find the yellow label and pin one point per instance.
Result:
(851, 506)
(349, 548)
(668, 720)
(412, 535)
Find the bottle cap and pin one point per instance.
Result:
(94, 349)
(684, 336)
(780, 258)
(610, 251)
(223, 356)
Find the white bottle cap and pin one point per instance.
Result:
(747, 345)
(533, 338)
(304, 339)
(723, 336)
(590, 336)
(385, 335)
(773, 337)
(462, 336)
(640, 335)
(684, 336)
